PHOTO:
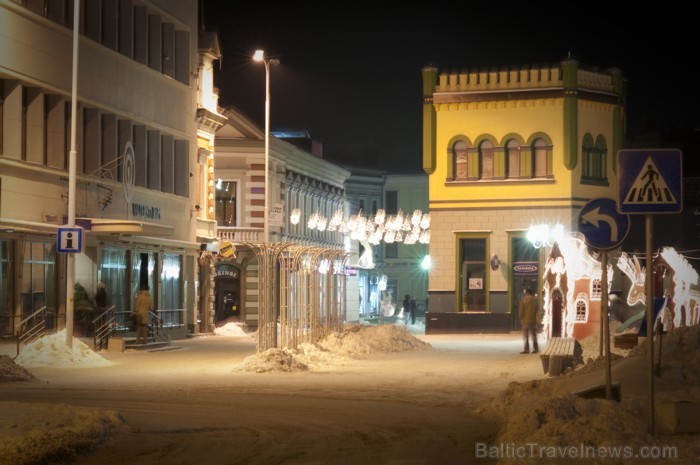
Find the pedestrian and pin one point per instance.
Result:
(406, 307)
(101, 296)
(141, 311)
(413, 310)
(528, 320)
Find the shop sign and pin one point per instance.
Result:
(525, 267)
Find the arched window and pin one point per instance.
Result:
(581, 310)
(513, 158)
(593, 159)
(459, 157)
(601, 151)
(539, 158)
(485, 160)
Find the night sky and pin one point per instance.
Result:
(350, 73)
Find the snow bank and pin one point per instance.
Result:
(11, 372)
(541, 412)
(231, 330)
(52, 351)
(355, 341)
(65, 432)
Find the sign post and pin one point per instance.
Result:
(604, 228)
(650, 181)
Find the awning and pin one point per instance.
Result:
(117, 226)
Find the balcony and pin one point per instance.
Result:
(206, 230)
(236, 234)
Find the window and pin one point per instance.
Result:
(596, 289)
(473, 274)
(391, 250)
(6, 287)
(539, 158)
(170, 291)
(391, 202)
(593, 159)
(486, 160)
(226, 204)
(459, 160)
(581, 308)
(113, 274)
(38, 277)
(513, 158)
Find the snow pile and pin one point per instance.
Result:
(591, 345)
(11, 372)
(272, 361)
(355, 341)
(546, 414)
(52, 351)
(231, 330)
(65, 432)
(359, 340)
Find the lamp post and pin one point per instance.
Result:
(260, 56)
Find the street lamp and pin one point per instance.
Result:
(259, 55)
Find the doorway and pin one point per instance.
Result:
(557, 316)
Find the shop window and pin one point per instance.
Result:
(113, 274)
(38, 277)
(171, 290)
(473, 274)
(6, 287)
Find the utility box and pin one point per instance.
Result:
(679, 416)
(115, 344)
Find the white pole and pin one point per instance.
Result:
(70, 268)
(266, 231)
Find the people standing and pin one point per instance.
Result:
(528, 320)
(413, 307)
(141, 310)
(406, 307)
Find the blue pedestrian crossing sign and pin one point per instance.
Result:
(602, 226)
(70, 240)
(650, 181)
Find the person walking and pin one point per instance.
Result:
(528, 320)
(406, 308)
(144, 302)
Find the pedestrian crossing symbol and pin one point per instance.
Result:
(650, 181)
(649, 187)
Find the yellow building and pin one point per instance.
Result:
(507, 149)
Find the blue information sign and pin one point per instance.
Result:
(601, 224)
(70, 240)
(650, 181)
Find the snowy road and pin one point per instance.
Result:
(187, 406)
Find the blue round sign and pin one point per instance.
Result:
(602, 225)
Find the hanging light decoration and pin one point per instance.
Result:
(408, 229)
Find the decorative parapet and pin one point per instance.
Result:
(522, 78)
(595, 81)
(525, 78)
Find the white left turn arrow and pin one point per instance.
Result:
(594, 217)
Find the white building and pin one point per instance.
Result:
(136, 156)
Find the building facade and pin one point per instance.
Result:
(136, 157)
(298, 182)
(506, 150)
(387, 271)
